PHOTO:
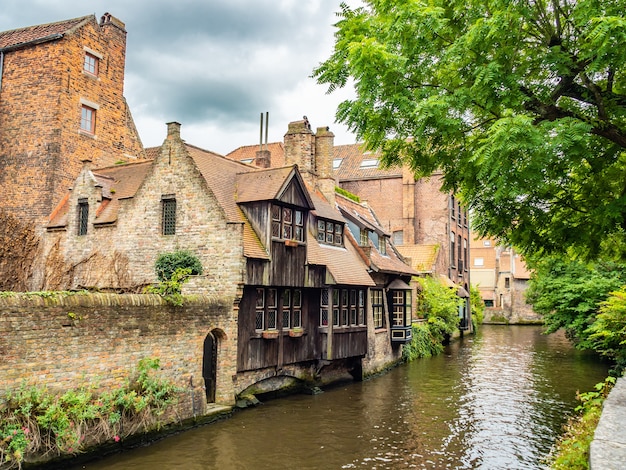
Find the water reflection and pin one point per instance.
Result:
(494, 401)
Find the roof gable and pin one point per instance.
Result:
(277, 184)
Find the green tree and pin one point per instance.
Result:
(607, 334)
(520, 103)
(477, 306)
(569, 294)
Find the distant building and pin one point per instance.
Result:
(501, 276)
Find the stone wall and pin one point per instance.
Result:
(65, 341)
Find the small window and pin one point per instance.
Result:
(369, 163)
(83, 216)
(398, 237)
(507, 282)
(364, 238)
(479, 261)
(452, 249)
(377, 307)
(168, 217)
(486, 242)
(382, 245)
(337, 163)
(88, 119)
(91, 64)
(329, 233)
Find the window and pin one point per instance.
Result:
(460, 257)
(486, 242)
(348, 307)
(364, 238)
(369, 163)
(452, 207)
(507, 282)
(479, 261)
(330, 233)
(83, 216)
(324, 308)
(377, 307)
(274, 315)
(401, 308)
(398, 237)
(287, 223)
(91, 64)
(335, 307)
(337, 163)
(452, 249)
(88, 119)
(168, 215)
(488, 303)
(382, 245)
(465, 253)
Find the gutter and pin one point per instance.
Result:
(22, 45)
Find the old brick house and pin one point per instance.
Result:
(61, 101)
(429, 227)
(304, 295)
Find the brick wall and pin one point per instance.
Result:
(40, 107)
(123, 255)
(69, 341)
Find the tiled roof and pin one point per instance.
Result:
(262, 184)
(323, 209)
(422, 257)
(248, 153)
(354, 164)
(360, 212)
(15, 37)
(344, 264)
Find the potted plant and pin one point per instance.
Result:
(296, 332)
(270, 334)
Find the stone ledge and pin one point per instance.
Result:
(608, 448)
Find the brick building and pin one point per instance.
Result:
(306, 300)
(429, 227)
(61, 101)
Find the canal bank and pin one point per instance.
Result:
(494, 400)
(608, 448)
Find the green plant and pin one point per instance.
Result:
(423, 343)
(571, 452)
(477, 306)
(171, 289)
(34, 421)
(607, 334)
(168, 263)
(347, 194)
(439, 304)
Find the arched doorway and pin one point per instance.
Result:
(209, 366)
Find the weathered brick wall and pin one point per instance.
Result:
(68, 341)
(40, 144)
(123, 255)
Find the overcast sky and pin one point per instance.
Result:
(213, 65)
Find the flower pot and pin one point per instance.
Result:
(296, 333)
(270, 334)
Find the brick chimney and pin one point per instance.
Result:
(300, 149)
(324, 156)
(263, 158)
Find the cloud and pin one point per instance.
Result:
(213, 66)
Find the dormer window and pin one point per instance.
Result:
(382, 245)
(287, 223)
(329, 233)
(364, 238)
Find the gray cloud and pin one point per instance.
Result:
(211, 64)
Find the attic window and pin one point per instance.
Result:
(337, 163)
(329, 233)
(382, 245)
(287, 223)
(369, 163)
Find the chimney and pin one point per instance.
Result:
(324, 156)
(263, 158)
(109, 20)
(173, 130)
(300, 149)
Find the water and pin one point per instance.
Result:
(496, 400)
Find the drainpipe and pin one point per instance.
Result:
(1, 66)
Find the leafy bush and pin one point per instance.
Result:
(607, 334)
(439, 304)
(167, 264)
(34, 421)
(477, 306)
(571, 452)
(423, 344)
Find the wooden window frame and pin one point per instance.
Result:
(378, 308)
(330, 232)
(88, 116)
(288, 223)
(91, 64)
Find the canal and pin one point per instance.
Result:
(496, 400)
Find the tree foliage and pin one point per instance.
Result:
(439, 304)
(519, 103)
(569, 294)
(167, 264)
(607, 334)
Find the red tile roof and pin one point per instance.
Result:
(247, 153)
(422, 257)
(17, 37)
